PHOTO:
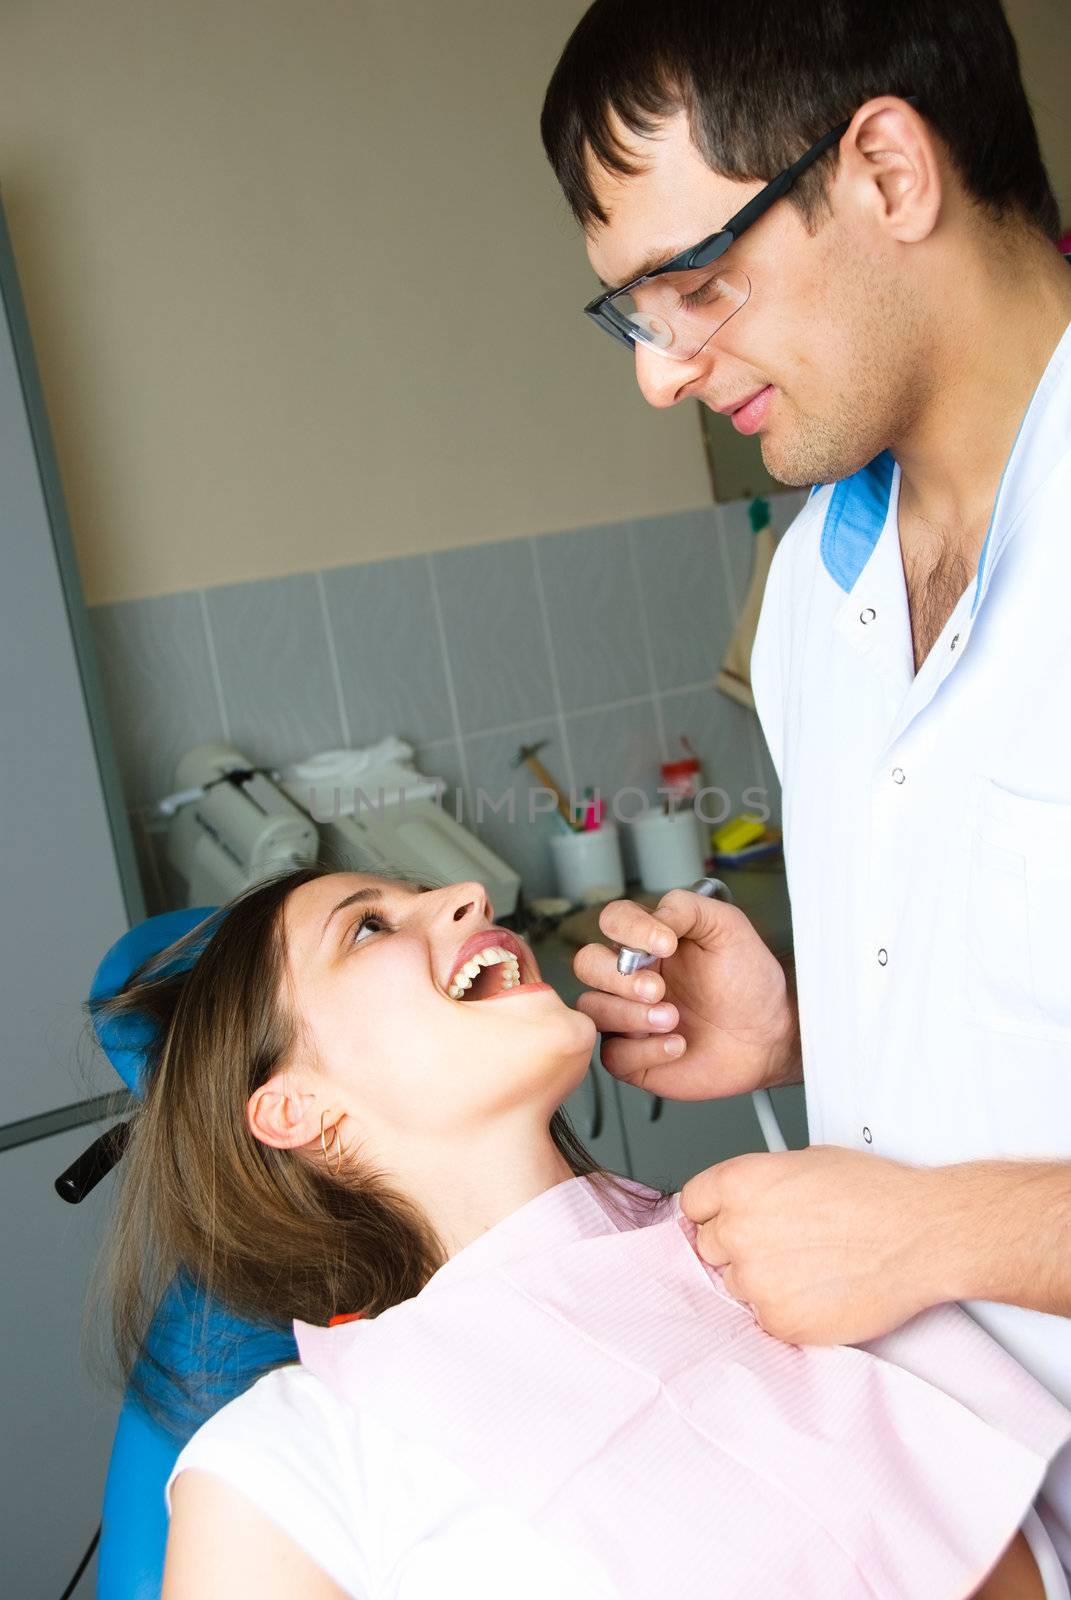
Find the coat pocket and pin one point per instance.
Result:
(1018, 943)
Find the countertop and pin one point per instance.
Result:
(760, 891)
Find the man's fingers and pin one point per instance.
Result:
(645, 1063)
(679, 914)
(701, 1195)
(634, 925)
(728, 1278)
(710, 1245)
(698, 917)
(596, 965)
(611, 1014)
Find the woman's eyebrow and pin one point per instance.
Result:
(361, 895)
(350, 900)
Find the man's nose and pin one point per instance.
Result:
(662, 381)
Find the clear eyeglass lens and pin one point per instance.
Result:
(677, 313)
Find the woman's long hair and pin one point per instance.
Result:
(268, 1234)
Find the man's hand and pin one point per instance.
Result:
(723, 1022)
(828, 1246)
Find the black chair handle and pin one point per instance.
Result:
(93, 1164)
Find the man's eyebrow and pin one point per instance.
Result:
(650, 263)
(359, 896)
(656, 259)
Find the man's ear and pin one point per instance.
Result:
(281, 1114)
(891, 154)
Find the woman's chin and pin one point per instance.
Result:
(585, 1024)
(581, 1034)
(562, 1032)
(556, 1029)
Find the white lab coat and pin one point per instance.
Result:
(927, 830)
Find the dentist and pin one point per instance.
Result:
(831, 221)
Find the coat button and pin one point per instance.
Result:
(883, 958)
(955, 641)
(867, 615)
(898, 774)
(868, 1136)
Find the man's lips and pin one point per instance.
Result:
(749, 417)
(737, 405)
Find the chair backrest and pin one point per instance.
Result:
(192, 1338)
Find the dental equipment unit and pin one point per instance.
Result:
(231, 825)
(377, 813)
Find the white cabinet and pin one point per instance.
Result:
(68, 889)
(58, 1419)
(67, 878)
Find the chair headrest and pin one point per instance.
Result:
(125, 1040)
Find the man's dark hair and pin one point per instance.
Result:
(762, 80)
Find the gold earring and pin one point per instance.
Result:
(336, 1144)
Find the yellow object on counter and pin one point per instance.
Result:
(736, 834)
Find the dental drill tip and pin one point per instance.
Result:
(632, 960)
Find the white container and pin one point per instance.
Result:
(588, 865)
(670, 848)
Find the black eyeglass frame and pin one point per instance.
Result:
(606, 316)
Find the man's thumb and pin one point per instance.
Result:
(695, 916)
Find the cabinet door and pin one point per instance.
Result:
(60, 878)
(58, 1419)
(669, 1141)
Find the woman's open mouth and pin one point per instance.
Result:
(493, 965)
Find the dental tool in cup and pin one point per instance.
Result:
(629, 960)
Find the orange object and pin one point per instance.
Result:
(346, 1316)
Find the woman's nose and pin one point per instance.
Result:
(662, 381)
(470, 903)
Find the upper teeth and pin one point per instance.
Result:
(492, 956)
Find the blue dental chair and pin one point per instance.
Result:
(190, 1334)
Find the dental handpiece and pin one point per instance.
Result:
(629, 960)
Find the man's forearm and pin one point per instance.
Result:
(1001, 1230)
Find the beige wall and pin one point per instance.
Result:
(302, 289)
(1042, 31)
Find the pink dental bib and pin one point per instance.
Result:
(588, 1370)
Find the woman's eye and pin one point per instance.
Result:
(363, 922)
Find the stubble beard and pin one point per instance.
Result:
(886, 343)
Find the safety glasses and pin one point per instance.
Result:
(679, 307)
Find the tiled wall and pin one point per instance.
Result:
(604, 641)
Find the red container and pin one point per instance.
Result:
(681, 779)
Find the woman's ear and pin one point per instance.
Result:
(890, 154)
(281, 1114)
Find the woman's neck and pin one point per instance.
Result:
(463, 1198)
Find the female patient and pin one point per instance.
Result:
(354, 1112)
